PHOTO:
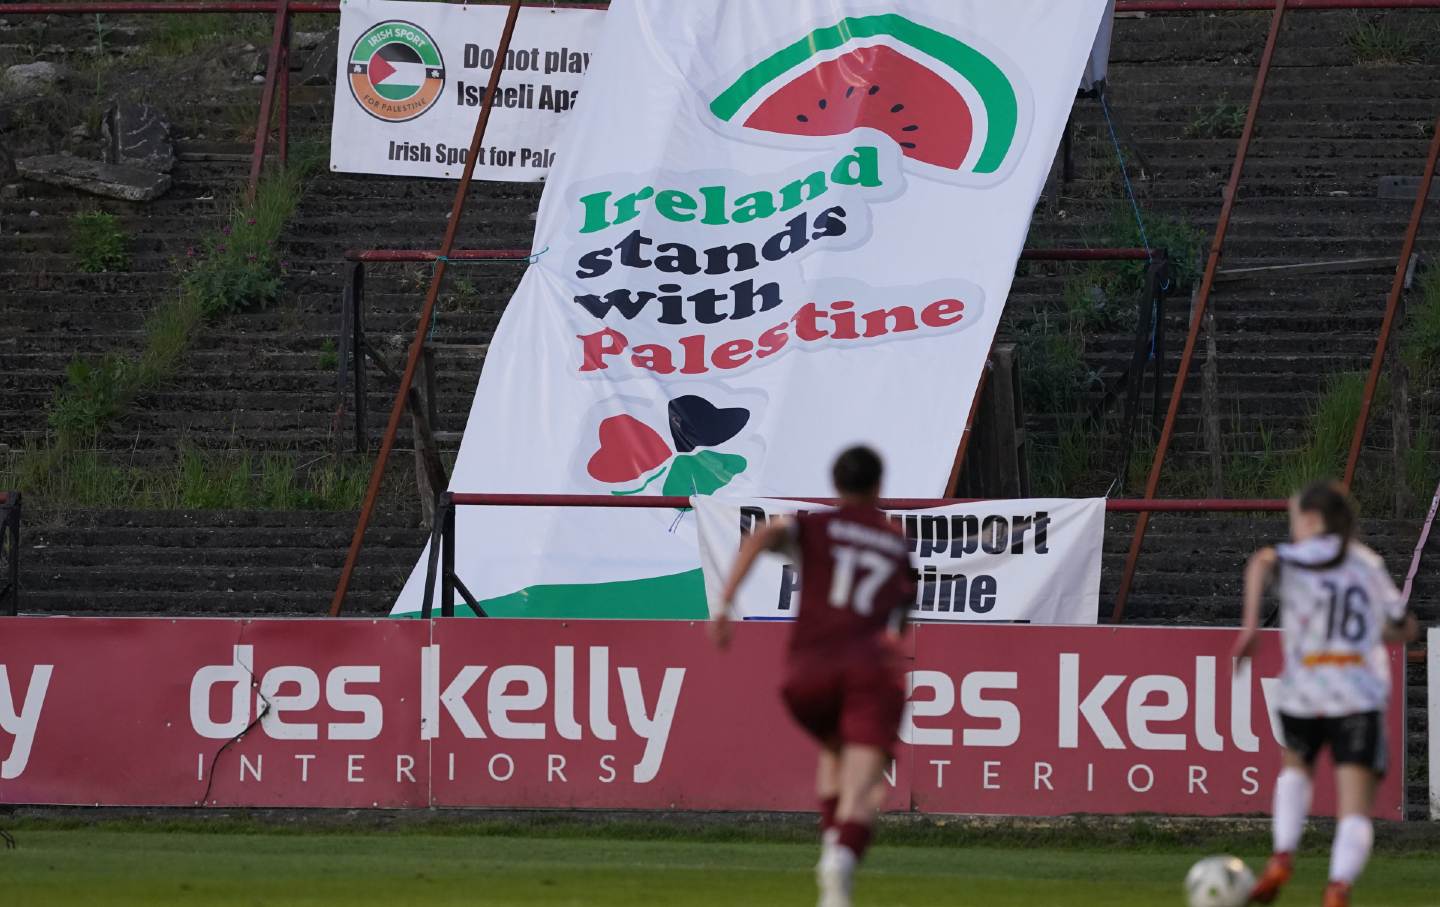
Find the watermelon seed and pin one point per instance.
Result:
(822, 103)
(911, 128)
(907, 144)
(874, 89)
(802, 118)
(897, 108)
(849, 91)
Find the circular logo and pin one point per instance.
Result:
(396, 71)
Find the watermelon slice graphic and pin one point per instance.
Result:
(940, 99)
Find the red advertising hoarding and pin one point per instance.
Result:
(621, 714)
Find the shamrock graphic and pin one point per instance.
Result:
(631, 451)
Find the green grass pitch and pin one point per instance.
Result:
(137, 866)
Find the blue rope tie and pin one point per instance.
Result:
(1139, 218)
(434, 322)
(1125, 173)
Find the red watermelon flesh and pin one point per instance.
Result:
(883, 89)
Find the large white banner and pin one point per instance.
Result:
(410, 79)
(784, 228)
(1020, 561)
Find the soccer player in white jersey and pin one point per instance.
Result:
(1338, 609)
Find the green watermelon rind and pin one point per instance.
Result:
(1002, 107)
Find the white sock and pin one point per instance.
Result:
(1354, 837)
(840, 858)
(1292, 807)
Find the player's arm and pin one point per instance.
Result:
(777, 536)
(1257, 574)
(900, 617)
(1406, 629)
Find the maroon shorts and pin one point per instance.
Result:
(854, 697)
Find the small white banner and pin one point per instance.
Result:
(1021, 561)
(411, 77)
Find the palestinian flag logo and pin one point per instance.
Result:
(396, 71)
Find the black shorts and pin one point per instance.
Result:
(1357, 739)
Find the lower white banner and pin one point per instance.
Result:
(1018, 561)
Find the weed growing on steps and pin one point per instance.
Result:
(1327, 442)
(1422, 467)
(1224, 120)
(1377, 42)
(198, 480)
(238, 267)
(1420, 350)
(97, 242)
(1059, 469)
(95, 393)
(184, 36)
(1420, 336)
(329, 358)
(464, 295)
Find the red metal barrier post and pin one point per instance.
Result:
(267, 97)
(1112, 505)
(10, 542)
(1397, 289)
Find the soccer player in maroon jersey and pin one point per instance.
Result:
(844, 681)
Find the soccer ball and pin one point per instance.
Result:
(1219, 882)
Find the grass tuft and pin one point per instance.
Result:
(1327, 444)
(97, 242)
(1420, 338)
(1376, 42)
(198, 480)
(1224, 120)
(184, 36)
(329, 358)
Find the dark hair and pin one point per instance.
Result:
(1332, 502)
(858, 471)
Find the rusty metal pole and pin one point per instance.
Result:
(457, 209)
(1397, 288)
(1197, 314)
(963, 447)
(284, 101)
(267, 97)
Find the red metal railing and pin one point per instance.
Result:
(653, 502)
(389, 256)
